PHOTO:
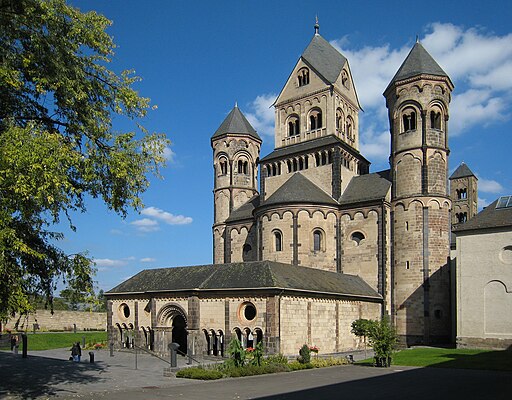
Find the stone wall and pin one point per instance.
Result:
(61, 321)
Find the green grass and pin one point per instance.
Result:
(453, 358)
(58, 340)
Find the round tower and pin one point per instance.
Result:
(418, 100)
(236, 149)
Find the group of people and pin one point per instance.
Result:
(76, 352)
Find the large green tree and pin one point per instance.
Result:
(58, 147)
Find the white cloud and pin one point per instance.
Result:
(262, 117)
(478, 62)
(108, 262)
(169, 154)
(147, 260)
(165, 216)
(375, 144)
(482, 203)
(146, 225)
(489, 186)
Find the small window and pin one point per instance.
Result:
(124, 311)
(247, 311)
(223, 167)
(435, 120)
(317, 240)
(278, 241)
(409, 120)
(243, 167)
(293, 125)
(357, 237)
(344, 79)
(315, 120)
(303, 77)
(438, 314)
(339, 120)
(407, 265)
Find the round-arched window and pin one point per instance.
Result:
(247, 311)
(124, 311)
(357, 237)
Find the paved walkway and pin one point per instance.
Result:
(48, 374)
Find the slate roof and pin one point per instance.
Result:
(488, 218)
(308, 145)
(299, 189)
(324, 58)
(418, 62)
(462, 171)
(245, 210)
(236, 123)
(367, 187)
(247, 275)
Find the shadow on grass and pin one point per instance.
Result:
(34, 376)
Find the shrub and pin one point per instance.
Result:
(236, 352)
(257, 354)
(383, 339)
(296, 366)
(276, 359)
(304, 354)
(328, 362)
(199, 373)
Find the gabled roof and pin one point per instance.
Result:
(418, 62)
(324, 58)
(299, 189)
(246, 276)
(236, 123)
(245, 210)
(490, 217)
(462, 171)
(367, 187)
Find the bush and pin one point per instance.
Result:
(296, 366)
(276, 359)
(383, 340)
(328, 362)
(304, 354)
(237, 352)
(205, 374)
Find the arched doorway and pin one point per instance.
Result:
(179, 332)
(172, 326)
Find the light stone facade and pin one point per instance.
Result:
(317, 207)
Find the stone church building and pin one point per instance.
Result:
(320, 241)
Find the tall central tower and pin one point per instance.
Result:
(418, 100)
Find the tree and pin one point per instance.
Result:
(383, 340)
(361, 328)
(58, 147)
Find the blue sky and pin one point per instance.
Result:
(197, 58)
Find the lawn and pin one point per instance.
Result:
(453, 358)
(57, 340)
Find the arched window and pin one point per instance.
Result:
(339, 120)
(293, 125)
(357, 237)
(223, 166)
(344, 79)
(303, 77)
(409, 120)
(315, 120)
(435, 119)
(349, 128)
(278, 241)
(317, 240)
(243, 167)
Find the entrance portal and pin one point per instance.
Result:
(179, 332)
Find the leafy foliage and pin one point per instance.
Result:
(236, 352)
(201, 373)
(304, 354)
(57, 145)
(383, 339)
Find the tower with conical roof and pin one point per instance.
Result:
(418, 100)
(236, 148)
(464, 194)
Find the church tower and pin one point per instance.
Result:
(464, 194)
(418, 100)
(236, 148)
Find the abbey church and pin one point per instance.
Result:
(320, 241)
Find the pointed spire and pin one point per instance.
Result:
(462, 171)
(236, 124)
(317, 26)
(418, 62)
(417, 38)
(236, 104)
